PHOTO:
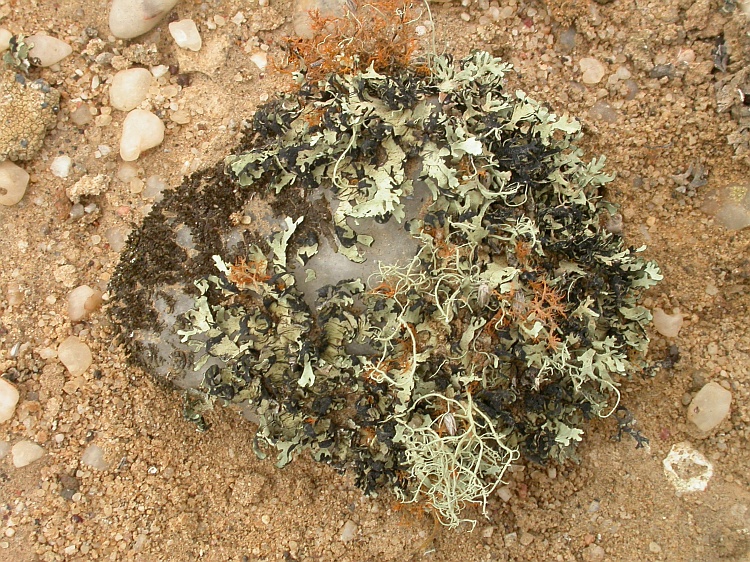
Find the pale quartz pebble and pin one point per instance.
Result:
(93, 457)
(602, 111)
(61, 166)
(593, 70)
(82, 301)
(75, 355)
(349, 531)
(709, 407)
(141, 130)
(185, 34)
(154, 187)
(8, 400)
(4, 449)
(5, 36)
(127, 171)
(25, 453)
(667, 325)
(116, 238)
(129, 88)
(131, 18)
(49, 50)
(180, 116)
(260, 59)
(13, 183)
(81, 115)
(730, 205)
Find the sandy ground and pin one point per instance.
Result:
(171, 493)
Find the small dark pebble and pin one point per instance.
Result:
(70, 486)
(662, 70)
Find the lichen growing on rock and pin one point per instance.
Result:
(28, 109)
(501, 319)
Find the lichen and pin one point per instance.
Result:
(510, 326)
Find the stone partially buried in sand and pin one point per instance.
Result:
(709, 408)
(131, 18)
(25, 453)
(185, 34)
(141, 130)
(13, 183)
(129, 88)
(49, 50)
(8, 400)
(75, 355)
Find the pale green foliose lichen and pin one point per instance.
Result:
(509, 327)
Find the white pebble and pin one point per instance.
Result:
(730, 205)
(667, 325)
(5, 36)
(154, 186)
(75, 355)
(13, 183)
(61, 166)
(26, 452)
(131, 18)
(49, 50)
(93, 456)
(349, 531)
(82, 301)
(141, 130)
(4, 449)
(593, 70)
(129, 88)
(8, 400)
(260, 59)
(185, 34)
(709, 407)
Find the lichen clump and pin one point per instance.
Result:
(510, 326)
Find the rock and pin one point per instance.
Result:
(593, 553)
(75, 355)
(662, 70)
(5, 36)
(129, 88)
(349, 531)
(687, 469)
(93, 457)
(668, 325)
(8, 400)
(4, 449)
(602, 111)
(593, 70)
(185, 34)
(49, 50)
(709, 408)
(69, 486)
(301, 21)
(141, 130)
(61, 166)
(260, 59)
(566, 41)
(87, 186)
(131, 18)
(25, 453)
(504, 493)
(526, 538)
(82, 301)
(27, 110)
(13, 183)
(81, 115)
(654, 547)
(730, 206)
